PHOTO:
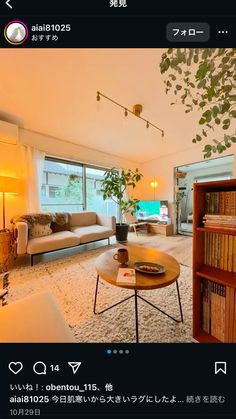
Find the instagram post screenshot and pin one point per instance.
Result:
(117, 209)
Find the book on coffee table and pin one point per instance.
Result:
(126, 276)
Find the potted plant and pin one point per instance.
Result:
(114, 186)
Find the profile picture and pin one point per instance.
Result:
(16, 32)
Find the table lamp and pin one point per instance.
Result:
(7, 185)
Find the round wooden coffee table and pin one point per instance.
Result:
(107, 269)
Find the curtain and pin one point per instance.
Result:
(34, 177)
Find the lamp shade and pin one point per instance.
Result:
(9, 184)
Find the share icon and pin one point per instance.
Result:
(74, 365)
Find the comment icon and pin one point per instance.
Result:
(40, 368)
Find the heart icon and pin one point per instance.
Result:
(15, 367)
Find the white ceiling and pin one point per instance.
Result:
(53, 91)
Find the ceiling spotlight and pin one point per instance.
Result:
(98, 96)
(126, 112)
(162, 134)
(147, 124)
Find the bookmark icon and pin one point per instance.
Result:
(74, 365)
(220, 366)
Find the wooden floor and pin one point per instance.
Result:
(180, 247)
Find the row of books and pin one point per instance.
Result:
(221, 202)
(220, 251)
(213, 309)
(219, 311)
(220, 221)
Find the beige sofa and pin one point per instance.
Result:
(85, 227)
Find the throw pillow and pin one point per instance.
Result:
(56, 227)
(39, 230)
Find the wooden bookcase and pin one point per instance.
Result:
(202, 271)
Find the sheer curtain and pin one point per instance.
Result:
(34, 177)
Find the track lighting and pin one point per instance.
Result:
(137, 109)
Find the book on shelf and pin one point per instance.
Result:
(234, 252)
(220, 251)
(217, 220)
(205, 306)
(227, 203)
(226, 246)
(233, 203)
(230, 254)
(217, 299)
(223, 203)
(230, 315)
(218, 304)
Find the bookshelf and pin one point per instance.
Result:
(214, 259)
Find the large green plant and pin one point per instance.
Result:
(72, 193)
(205, 78)
(114, 186)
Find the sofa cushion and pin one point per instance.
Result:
(54, 241)
(91, 233)
(39, 230)
(57, 227)
(24, 321)
(84, 218)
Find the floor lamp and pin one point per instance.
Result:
(154, 185)
(7, 185)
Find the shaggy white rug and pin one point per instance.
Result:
(72, 282)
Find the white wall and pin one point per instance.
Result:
(67, 150)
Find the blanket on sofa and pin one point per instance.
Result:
(43, 218)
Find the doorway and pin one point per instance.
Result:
(185, 176)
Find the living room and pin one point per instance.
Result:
(50, 104)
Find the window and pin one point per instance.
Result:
(62, 188)
(72, 187)
(94, 199)
(53, 191)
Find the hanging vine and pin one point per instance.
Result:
(205, 79)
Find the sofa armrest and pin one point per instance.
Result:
(22, 237)
(107, 221)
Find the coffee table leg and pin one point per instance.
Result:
(180, 306)
(163, 312)
(108, 308)
(136, 314)
(96, 293)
